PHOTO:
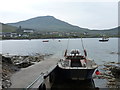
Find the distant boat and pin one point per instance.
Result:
(104, 39)
(45, 41)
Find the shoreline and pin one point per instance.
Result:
(109, 72)
(13, 64)
(52, 38)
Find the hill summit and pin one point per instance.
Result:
(51, 24)
(47, 23)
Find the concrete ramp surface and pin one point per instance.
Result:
(26, 76)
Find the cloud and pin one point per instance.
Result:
(94, 15)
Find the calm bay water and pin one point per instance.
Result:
(99, 51)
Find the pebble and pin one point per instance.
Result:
(111, 83)
(107, 65)
(112, 80)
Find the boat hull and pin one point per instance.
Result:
(103, 40)
(76, 74)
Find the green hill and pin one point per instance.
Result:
(8, 28)
(50, 23)
(113, 31)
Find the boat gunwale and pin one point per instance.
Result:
(93, 67)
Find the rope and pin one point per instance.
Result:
(82, 44)
(68, 44)
(84, 50)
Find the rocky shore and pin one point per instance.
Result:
(110, 71)
(11, 64)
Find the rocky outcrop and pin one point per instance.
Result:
(111, 72)
(12, 64)
(7, 70)
(115, 71)
(6, 60)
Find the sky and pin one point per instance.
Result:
(92, 14)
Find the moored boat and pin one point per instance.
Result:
(104, 39)
(45, 41)
(76, 66)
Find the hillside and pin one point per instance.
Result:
(48, 23)
(8, 28)
(113, 31)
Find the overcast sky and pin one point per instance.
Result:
(92, 14)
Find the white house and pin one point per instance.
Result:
(28, 31)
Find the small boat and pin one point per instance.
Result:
(76, 66)
(45, 41)
(104, 39)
